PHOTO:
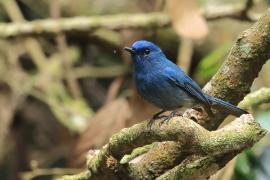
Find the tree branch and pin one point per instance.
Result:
(198, 167)
(256, 98)
(245, 60)
(232, 82)
(236, 136)
(112, 22)
(84, 24)
(235, 12)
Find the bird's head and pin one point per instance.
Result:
(144, 52)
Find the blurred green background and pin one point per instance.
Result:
(62, 94)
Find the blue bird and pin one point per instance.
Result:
(164, 84)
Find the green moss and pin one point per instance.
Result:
(135, 153)
(246, 48)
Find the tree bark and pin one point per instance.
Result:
(195, 152)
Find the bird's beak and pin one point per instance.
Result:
(130, 50)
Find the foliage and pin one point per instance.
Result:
(65, 92)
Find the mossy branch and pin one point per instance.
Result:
(232, 82)
(236, 136)
(256, 98)
(198, 167)
(112, 22)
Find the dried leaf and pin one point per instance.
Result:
(187, 19)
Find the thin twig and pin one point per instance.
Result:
(256, 98)
(72, 84)
(31, 44)
(46, 172)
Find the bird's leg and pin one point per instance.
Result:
(169, 117)
(154, 117)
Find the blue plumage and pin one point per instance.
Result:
(164, 84)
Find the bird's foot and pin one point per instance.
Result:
(169, 117)
(154, 117)
(150, 123)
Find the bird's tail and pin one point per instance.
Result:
(225, 106)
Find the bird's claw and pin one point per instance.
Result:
(164, 119)
(150, 123)
(154, 117)
(152, 120)
(167, 118)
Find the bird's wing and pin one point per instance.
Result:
(187, 84)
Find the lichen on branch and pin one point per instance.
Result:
(231, 83)
(207, 150)
(236, 136)
(256, 98)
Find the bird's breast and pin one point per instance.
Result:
(156, 88)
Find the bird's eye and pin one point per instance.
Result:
(146, 51)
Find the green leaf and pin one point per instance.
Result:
(210, 64)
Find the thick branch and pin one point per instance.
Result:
(245, 60)
(198, 167)
(241, 133)
(231, 83)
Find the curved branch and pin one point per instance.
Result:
(231, 83)
(233, 80)
(198, 167)
(241, 133)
